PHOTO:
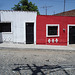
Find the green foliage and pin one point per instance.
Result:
(24, 5)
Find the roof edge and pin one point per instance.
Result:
(16, 11)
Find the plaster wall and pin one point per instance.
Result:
(18, 21)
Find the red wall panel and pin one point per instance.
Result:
(63, 21)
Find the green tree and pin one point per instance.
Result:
(24, 5)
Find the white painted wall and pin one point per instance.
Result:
(18, 20)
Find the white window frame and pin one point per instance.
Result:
(47, 30)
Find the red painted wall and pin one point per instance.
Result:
(63, 21)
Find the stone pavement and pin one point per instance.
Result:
(32, 60)
(32, 46)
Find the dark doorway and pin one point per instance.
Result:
(29, 33)
(72, 35)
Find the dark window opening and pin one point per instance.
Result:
(52, 30)
(5, 27)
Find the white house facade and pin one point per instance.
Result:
(18, 26)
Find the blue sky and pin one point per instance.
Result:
(57, 5)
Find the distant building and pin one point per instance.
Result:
(67, 13)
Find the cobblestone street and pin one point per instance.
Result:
(37, 62)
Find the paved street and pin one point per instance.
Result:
(36, 62)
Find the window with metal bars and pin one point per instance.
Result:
(5, 27)
(52, 30)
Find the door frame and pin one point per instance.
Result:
(68, 32)
(34, 30)
(29, 31)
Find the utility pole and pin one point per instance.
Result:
(54, 12)
(46, 8)
(64, 8)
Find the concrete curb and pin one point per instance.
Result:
(35, 47)
(42, 49)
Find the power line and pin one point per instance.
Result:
(46, 8)
(62, 1)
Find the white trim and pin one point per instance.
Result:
(6, 32)
(35, 33)
(68, 32)
(24, 32)
(47, 30)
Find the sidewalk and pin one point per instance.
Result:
(32, 46)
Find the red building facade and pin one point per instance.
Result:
(55, 30)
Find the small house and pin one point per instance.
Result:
(18, 26)
(55, 30)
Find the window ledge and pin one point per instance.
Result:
(6, 32)
(53, 36)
